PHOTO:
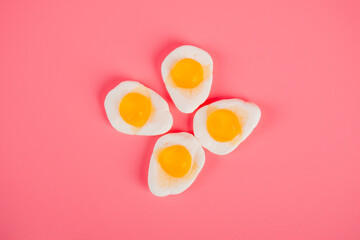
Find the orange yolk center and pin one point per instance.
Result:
(223, 125)
(175, 160)
(187, 73)
(135, 109)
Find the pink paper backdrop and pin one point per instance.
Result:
(65, 173)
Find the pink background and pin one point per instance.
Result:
(65, 173)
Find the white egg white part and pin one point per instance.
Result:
(187, 100)
(160, 120)
(160, 183)
(248, 114)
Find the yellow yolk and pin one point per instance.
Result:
(187, 73)
(135, 109)
(175, 160)
(223, 125)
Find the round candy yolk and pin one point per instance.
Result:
(135, 109)
(187, 73)
(223, 125)
(175, 160)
